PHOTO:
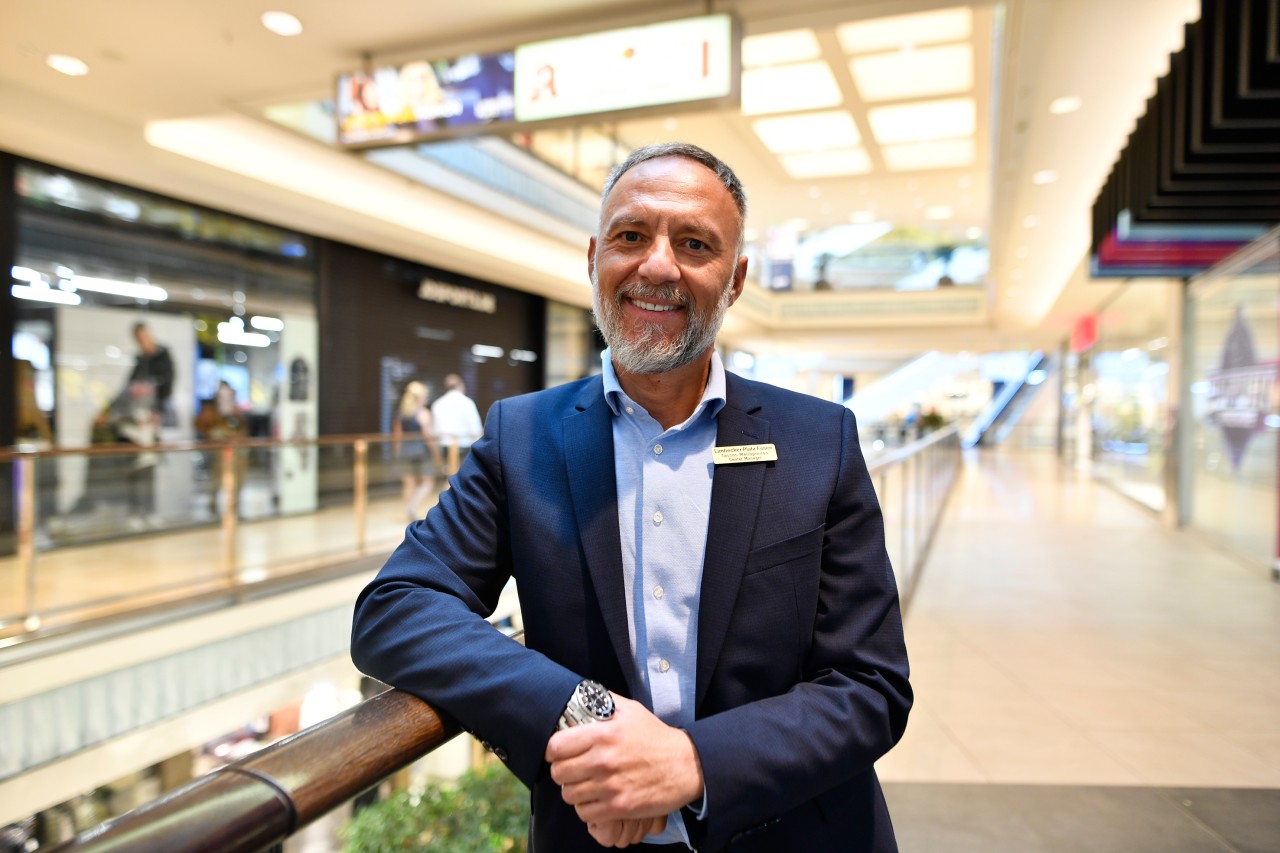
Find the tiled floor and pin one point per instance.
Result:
(1082, 674)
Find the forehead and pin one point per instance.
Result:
(671, 183)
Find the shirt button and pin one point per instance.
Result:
(657, 517)
(630, 411)
(664, 665)
(657, 450)
(657, 592)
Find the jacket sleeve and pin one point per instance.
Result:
(849, 707)
(420, 625)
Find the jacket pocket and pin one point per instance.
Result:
(795, 547)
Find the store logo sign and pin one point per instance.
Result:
(1242, 392)
(457, 296)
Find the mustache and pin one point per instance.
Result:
(652, 293)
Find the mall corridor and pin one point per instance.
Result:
(1085, 678)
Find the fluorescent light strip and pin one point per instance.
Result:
(44, 294)
(129, 289)
(267, 324)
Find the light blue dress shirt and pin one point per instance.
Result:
(664, 503)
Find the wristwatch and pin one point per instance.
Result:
(590, 703)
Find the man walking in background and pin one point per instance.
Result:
(456, 420)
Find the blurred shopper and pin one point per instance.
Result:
(457, 420)
(700, 561)
(415, 448)
(220, 419)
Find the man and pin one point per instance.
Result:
(708, 548)
(456, 419)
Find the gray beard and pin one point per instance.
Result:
(650, 351)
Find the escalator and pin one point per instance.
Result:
(994, 422)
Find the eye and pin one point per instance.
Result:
(630, 236)
(696, 244)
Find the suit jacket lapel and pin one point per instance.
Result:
(735, 503)
(588, 447)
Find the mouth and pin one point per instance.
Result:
(653, 306)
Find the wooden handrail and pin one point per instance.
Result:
(258, 801)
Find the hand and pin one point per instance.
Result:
(623, 833)
(633, 766)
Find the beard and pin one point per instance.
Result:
(649, 350)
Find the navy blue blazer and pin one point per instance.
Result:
(801, 679)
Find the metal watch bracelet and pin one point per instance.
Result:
(590, 703)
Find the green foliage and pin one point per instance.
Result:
(485, 811)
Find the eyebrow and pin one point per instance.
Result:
(695, 229)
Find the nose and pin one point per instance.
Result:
(659, 265)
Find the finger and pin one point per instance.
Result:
(605, 833)
(568, 743)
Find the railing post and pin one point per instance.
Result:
(25, 469)
(360, 500)
(230, 511)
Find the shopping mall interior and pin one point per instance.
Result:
(1033, 245)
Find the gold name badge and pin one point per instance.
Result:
(736, 453)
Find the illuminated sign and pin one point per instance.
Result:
(688, 61)
(423, 99)
(459, 297)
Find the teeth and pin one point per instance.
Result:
(651, 306)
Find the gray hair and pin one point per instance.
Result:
(690, 152)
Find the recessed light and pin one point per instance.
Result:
(973, 233)
(1029, 222)
(1066, 104)
(67, 65)
(937, 212)
(1044, 176)
(282, 23)
(863, 217)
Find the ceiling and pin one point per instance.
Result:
(175, 93)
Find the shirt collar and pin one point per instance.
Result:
(713, 396)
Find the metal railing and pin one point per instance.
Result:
(114, 528)
(255, 803)
(913, 483)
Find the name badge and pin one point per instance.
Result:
(737, 453)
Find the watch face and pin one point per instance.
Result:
(596, 699)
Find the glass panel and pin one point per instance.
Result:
(1236, 417)
(1130, 380)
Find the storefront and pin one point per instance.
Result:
(1230, 459)
(146, 320)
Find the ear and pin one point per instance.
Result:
(591, 259)
(739, 278)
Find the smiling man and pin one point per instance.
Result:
(713, 648)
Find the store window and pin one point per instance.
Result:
(1128, 386)
(1235, 403)
(140, 318)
